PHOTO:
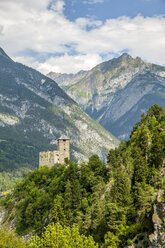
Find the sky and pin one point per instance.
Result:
(71, 35)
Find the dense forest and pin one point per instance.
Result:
(17, 159)
(93, 205)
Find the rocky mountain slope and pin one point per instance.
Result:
(116, 92)
(65, 80)
(34, 111)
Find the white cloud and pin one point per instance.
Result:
(30, 25)
(65, 63)
(92, 1)
(58, 6)
(83, 23)
(1, 29)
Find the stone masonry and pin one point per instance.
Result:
(51, 158)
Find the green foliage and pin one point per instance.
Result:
(113, 203)
(10, 178)
(121, 190)
(10, 240)
(141, 168)
(58, 194)
(16, 154)
(83, 94)
(16, 160)
(111, 241)
(57, 214)
(56, 236)
(135, 165)
(97, 166)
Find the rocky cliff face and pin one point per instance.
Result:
(65, 80)
(117, 92)
(34, 110)
(157, 239)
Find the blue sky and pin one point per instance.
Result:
(71, 35)
(113, 8)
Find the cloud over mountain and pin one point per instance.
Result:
(40, 30)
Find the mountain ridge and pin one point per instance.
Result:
(66, 79)
(2, 53)
(100, 91)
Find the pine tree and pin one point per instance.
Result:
(68, 202)
(157, 152)
(57, 214)
(141, 170)
(121, 190)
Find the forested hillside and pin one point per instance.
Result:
(114, 204)
(16, 160)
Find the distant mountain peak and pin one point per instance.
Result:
(139, 60)
(125, 57)
(3, 54)
(55, 74)
(64, 79)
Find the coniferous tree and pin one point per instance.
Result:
(141, 170)
(68, 202)
(121, 190)
(157, 153)
(57, 214)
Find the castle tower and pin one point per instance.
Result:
(63, 149)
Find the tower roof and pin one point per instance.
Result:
(63, 137)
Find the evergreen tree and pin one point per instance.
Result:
(76, 194)
(121, 190)
(68, 202)
(57, 214)
(97, 166)
(141, 170)
(157, 153)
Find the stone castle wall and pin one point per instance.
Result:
(51, 158)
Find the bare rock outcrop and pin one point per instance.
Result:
(157, 239)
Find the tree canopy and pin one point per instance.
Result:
(113, 203)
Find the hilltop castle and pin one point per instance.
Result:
(51, 158)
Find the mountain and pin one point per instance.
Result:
(118, 91)
(65, 80)
(35, 112)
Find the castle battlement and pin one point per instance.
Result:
(51, 158)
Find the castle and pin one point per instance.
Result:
(51, 158)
